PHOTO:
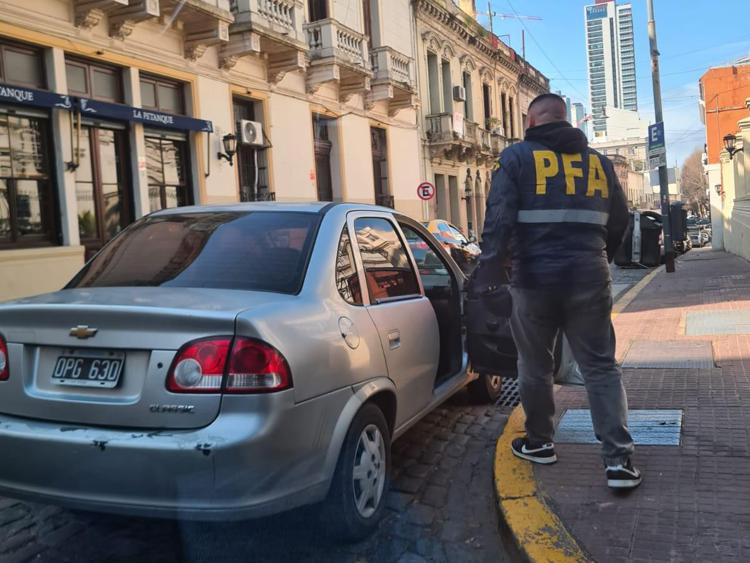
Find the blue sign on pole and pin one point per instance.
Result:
(656, 136)
(657, 151)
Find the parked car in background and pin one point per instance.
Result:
(228, 362)
(699, 230)
(464, 250)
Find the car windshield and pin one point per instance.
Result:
(260, 251)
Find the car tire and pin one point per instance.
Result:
(486, 389)
(367, 452)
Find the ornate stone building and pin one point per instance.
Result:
(110, 109)
(474, 92)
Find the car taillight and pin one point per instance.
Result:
(242, 365)
(4, 369)
(199, 366)
(256, 367)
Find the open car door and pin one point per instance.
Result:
(489, 339)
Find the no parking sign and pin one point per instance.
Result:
(425, 191)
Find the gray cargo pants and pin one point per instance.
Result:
(584, 316)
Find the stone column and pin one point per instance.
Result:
(137, 144)
(62, 122)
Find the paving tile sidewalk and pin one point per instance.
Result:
(694, 503)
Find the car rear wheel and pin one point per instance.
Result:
(486, 389)
(357, 498)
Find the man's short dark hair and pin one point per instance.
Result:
(549, 96)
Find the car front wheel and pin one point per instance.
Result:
(357, 498)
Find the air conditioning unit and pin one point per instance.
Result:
(459, 93)
(251, 133)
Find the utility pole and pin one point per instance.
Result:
(663, 178)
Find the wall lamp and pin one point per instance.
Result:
(230, 148)
(729, 142)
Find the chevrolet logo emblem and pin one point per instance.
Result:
(83, 332)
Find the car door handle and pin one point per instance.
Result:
(394, 339)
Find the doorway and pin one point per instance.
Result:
(380, 167)
(323, 146)
(252, 161)
(104, 206)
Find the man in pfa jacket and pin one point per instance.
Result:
(558, 211)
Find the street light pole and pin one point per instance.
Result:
(663, 178)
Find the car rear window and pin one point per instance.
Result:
(260, 251)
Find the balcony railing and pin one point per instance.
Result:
(392, 66)
(440, 127)
(330, 39)
(279, 12)
(484, 137)
(497, 143)
(284, 17)
(470, 132)
(385, 200)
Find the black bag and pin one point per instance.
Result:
(489, 340)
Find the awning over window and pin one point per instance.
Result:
(152, 118)
(105, 110)
(32, 97)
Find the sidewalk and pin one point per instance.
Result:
(684, 342)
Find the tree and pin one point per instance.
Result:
(693, 183)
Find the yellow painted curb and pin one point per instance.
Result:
(538, 533)
(633, 292)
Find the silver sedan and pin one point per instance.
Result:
(233, 361)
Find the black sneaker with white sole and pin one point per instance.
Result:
(623, 476)
(538, 453)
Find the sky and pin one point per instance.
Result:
(692, 35)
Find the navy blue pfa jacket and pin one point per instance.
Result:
(556, 208)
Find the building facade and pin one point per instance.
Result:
(579, 118)
(634, 149)
(723, 91)
(734, 190)
(111, 110)
(610, 52)
(474, 92)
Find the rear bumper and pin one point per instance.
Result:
(262, 455)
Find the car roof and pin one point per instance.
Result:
(308, 207)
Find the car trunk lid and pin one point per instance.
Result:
(143, 327)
